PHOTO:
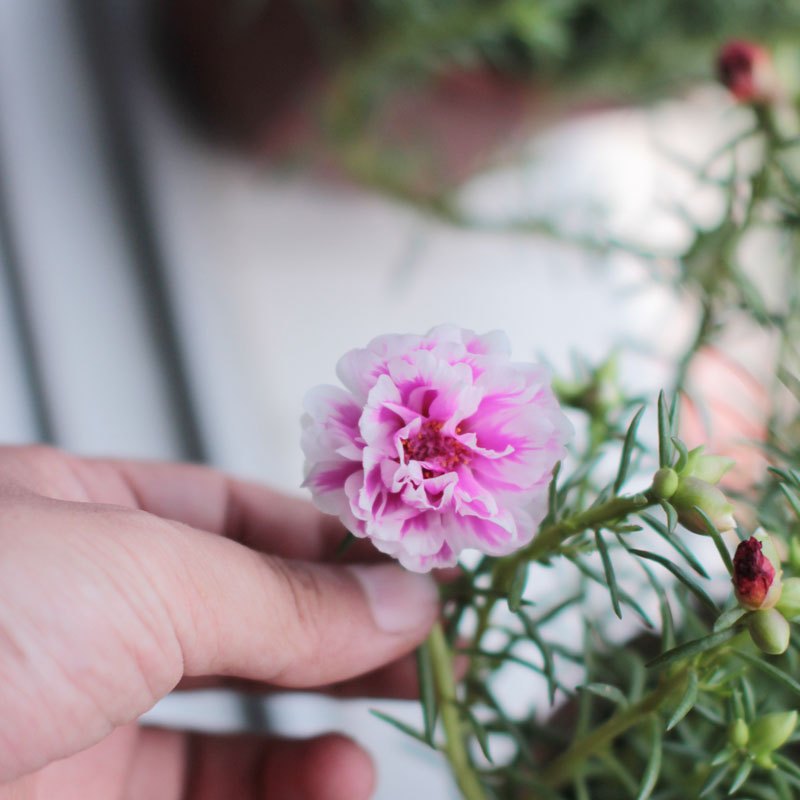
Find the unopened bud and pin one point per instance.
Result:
(665, 483)
(771, 731)
(748, 72)
(789, 603)
(706, 468)
(764, 760)
(696, 492)
(757, 573)
(604, 394)
(794, 553)
(769, 631)
(739, 734)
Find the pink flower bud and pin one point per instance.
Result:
(754, 576)
(747, 70)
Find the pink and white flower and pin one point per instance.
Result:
(437, 444)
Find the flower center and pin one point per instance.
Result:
(435, 448)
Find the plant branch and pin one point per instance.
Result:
(564, 768)
(454, 747)
(548, 542)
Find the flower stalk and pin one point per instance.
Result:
(688, 676)
(565, 766)
(454, 744)
(549, 541)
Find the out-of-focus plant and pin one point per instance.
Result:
(534, 58)
(708, 707)
(702, 701)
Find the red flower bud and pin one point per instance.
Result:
(753, 576)
(747, 70)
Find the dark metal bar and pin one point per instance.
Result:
(11, 275)
(95, 23)
(98, 30)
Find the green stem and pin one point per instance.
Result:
(550, 538)
(454, 747)
(548, 541)
(701, 338)
(565, 767)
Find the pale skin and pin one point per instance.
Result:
(121, 581)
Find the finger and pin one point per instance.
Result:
(249, 513)
(250, 768)
(396, 681)
(327, 768)
(290, 623)
(252, 514)
(95, 772)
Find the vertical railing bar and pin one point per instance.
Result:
(11, 275)
(125, 168)
(123, 164)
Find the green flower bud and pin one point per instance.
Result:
(665, 483)
(706, 468)
(771, 731)
(764, 761)
(696, 492)
(769, 631)
(789, 603)
(794, 553)
(607, 395)
(739, 734)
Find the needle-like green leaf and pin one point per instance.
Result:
(674, 541)
(608, 568)
(664, 432)
(686, 703)
(517, 587)
(671, 513)
(740, 777)
(794, 502)
(481, 734)
(607, 692)
(786, 680)
(687, 580)
(627, 450)
(683, 453)
(547, 654)
(719, 542)
(401, 726)
(653, 769)
(693, 648)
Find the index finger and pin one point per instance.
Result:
(247, 512)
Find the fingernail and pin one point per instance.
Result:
(400, 601)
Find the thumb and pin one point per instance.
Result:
(293, 623)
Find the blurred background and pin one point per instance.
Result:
(204, 204)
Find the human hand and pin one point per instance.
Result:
(120, 581)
